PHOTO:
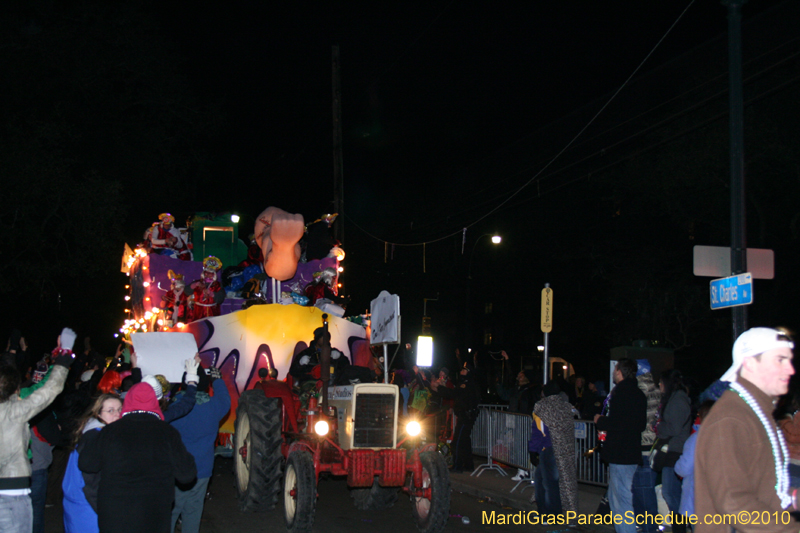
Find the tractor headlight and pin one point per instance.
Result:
(413, 428)
(321, 428)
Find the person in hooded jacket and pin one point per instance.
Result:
(139, 457)
(467, 397)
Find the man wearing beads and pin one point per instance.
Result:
(741, 460)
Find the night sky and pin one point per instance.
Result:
(448, 109)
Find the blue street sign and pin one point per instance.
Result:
(732, 291)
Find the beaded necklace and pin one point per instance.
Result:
(777, 443)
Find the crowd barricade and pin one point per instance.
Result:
(591, 469)
(502, 437)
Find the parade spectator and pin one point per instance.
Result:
(467, 398)
(139, 458)
(559, 417)
(184, 404)
(644, 481)
(44, 435)
(624, 422)
(740, 459)
(577, 391)
(790, 426)
(520, 397)
(110, 383)
(199, 430)
(593, 403)
(545, 478)
(685, 465)
(16, 511)
(673, 428)
(80, 489)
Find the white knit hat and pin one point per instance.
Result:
(754, 342)
(153, 382)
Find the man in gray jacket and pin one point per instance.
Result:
(16, 511)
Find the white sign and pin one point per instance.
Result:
(580, 430)
(164, 353)
(385, 319)
(715, 262)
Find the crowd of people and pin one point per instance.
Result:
(128, 437)
(746, 457)
(150, 442)
(720, 458)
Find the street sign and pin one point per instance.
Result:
(732, 291)
(547, 310)
(715, 261)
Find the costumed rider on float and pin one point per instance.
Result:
(207, 292)
(175, 302)
(163, 238)
(322, 292)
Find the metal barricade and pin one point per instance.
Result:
(591, 468)
(502, 437)
(480, 435)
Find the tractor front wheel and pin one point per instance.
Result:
(431, 513)
(299, 492)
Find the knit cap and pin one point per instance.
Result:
(153, 382)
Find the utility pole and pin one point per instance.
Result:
(738, 213)
(338, 177)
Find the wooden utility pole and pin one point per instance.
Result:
(338, 178)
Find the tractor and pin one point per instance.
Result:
(347, 431)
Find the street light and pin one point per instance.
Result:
(496, 239)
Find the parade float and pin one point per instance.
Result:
(249, 306)
(262, 313)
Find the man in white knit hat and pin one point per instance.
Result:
(741, 460)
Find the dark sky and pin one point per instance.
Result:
(428, 88)
(444, 106)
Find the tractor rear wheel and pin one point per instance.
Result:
(257, 451)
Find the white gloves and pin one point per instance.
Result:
(190, 365)
(335, 354)
(67, 339)
(305, 360)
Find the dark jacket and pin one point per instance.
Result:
(199, 429)
(676, 422)
(466, 394)
(626, 419)
(140, 457)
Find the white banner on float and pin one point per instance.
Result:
(164, 353)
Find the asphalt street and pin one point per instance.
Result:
(335, 511)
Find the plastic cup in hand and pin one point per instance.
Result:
(601, 436)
